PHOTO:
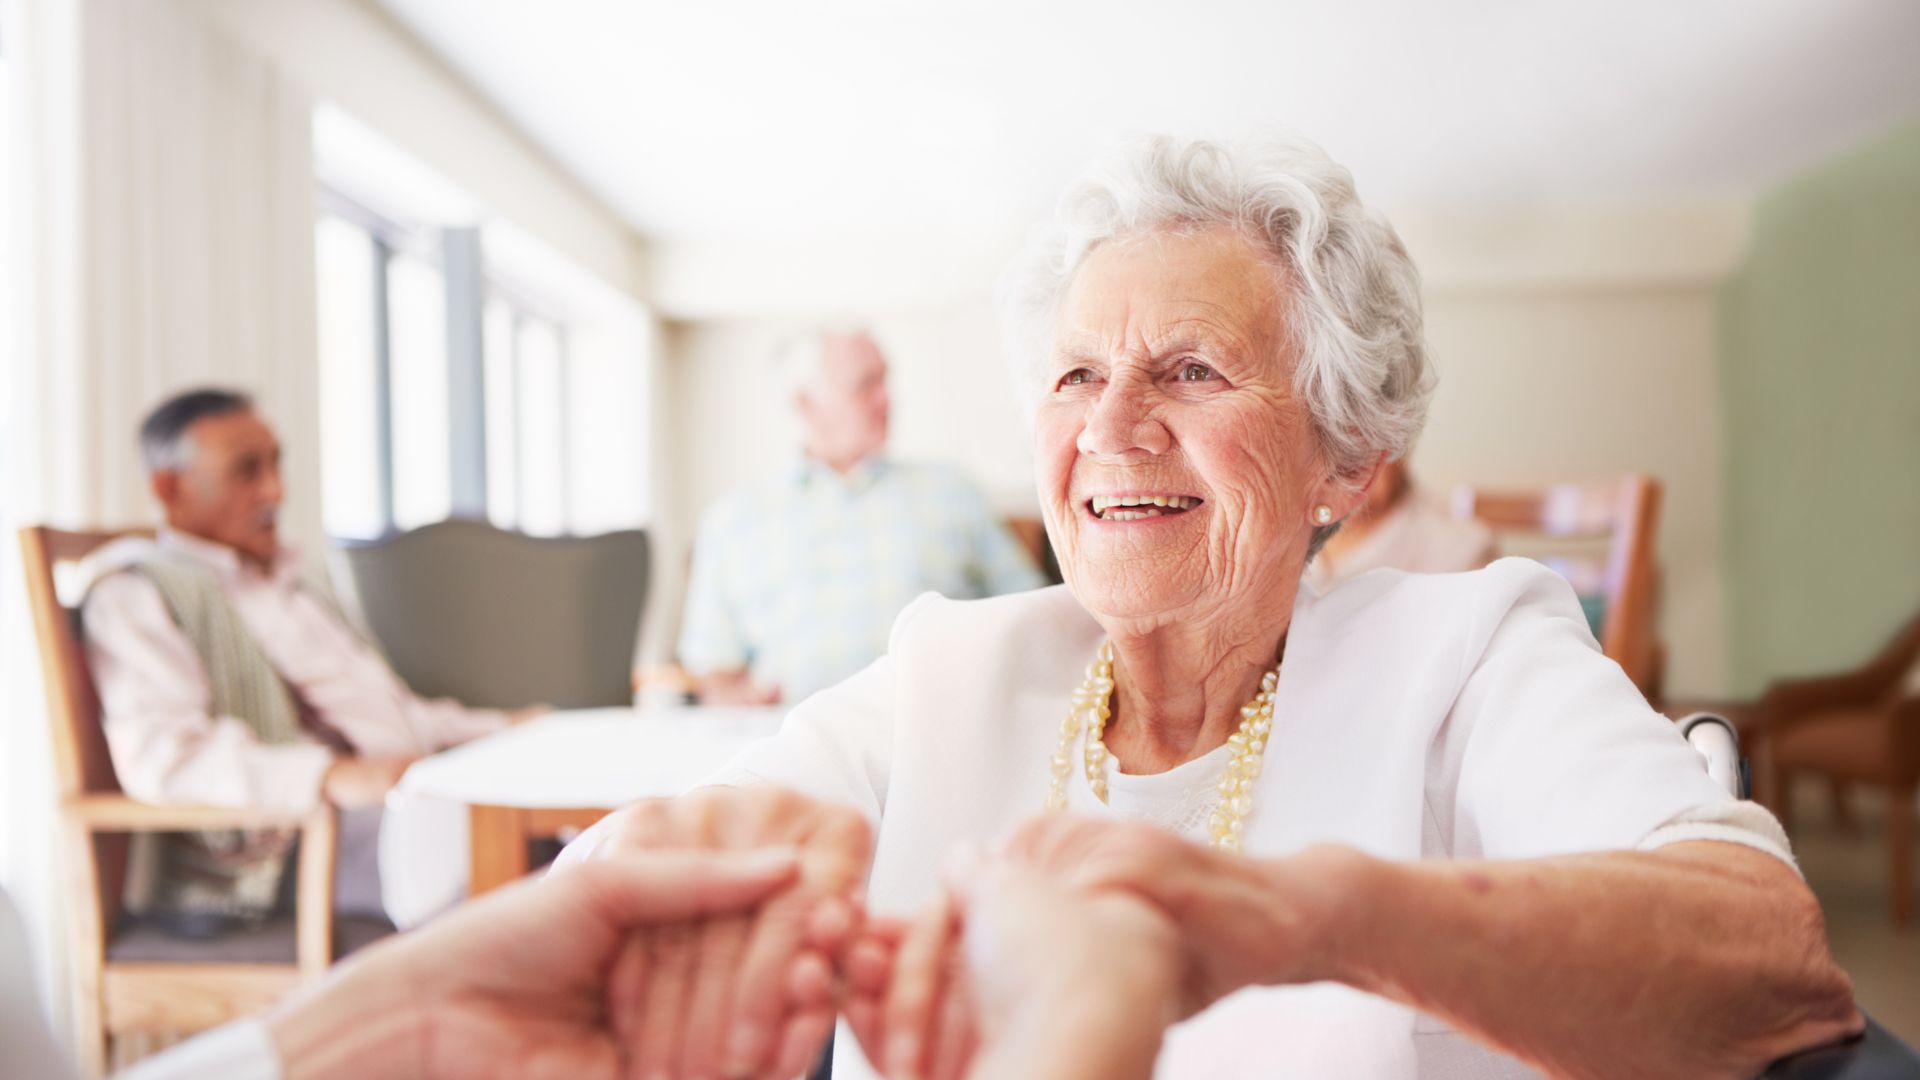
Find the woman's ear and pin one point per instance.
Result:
(1341, 496)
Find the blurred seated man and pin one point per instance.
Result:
(796, 586)
(225, 681)
(1400, 527)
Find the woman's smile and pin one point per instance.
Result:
(1140, 507)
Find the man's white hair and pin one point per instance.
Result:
(800, 360)
(1352, 295)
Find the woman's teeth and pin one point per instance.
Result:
(1136, 507)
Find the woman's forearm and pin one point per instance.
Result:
(1700, 959)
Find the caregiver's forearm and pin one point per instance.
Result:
(1699, 959)
(364, 1020)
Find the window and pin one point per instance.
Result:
(386, 454)
(353, 469)
(466, 370)
(422, 465)
(502, 416)
(527, 372)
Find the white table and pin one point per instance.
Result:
(544, 778)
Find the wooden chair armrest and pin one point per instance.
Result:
(1906, 729)
(1790, 700)
(118, 813)
(319, 840)
(313, 891)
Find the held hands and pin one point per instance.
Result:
(1016, 970)
(1083, 936)
(747, 994)
(532, 981)
(1077, 933)
(1013, 975)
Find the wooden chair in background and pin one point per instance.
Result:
(135, 982)
(1861, 726)
(1622, 519)
(1032, 534)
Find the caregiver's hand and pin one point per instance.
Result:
(747, 995)
(1068, 985)
(532, 981)
(1016, 974)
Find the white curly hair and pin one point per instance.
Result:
(1352, 294)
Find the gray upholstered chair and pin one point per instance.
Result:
(498, 619)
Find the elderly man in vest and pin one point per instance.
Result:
(226, 681)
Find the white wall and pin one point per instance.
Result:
(1571, 345)
(350, 53)
(1581, 384)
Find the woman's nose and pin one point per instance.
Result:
(1121, 422)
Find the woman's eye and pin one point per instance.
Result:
(1076, 377)
(1195, 372)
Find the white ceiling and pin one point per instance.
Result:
(757, 117)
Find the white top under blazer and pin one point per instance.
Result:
(1465, 715)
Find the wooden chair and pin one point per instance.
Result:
(1862, 726)
(1624, 517)
(1032, 534)
(127, 982)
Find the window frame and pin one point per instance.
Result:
(390, 240)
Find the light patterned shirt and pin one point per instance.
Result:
(800, 582)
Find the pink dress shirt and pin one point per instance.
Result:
(166, 746)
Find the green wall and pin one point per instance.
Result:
(1820, 381)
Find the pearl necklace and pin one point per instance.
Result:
(1092, 707)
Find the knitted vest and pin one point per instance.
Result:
(217, 871)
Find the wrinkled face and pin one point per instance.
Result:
(845, 409)
(1169, 382)
(229, 490)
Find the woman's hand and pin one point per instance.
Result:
(532, 981)
(750, 994)
(1243, 921)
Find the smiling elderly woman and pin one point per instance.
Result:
(1433, 829)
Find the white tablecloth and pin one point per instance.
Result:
(581, 758)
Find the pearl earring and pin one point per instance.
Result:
(1323, 514)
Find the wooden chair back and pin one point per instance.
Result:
(81, 762)
(1622, 515)
(1032, 534)
(80, 759)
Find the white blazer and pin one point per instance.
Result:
(1465, 715)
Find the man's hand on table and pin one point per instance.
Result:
(516, 717)
(535, 980)
(355, 782)
(750, 994)
(734, 688)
